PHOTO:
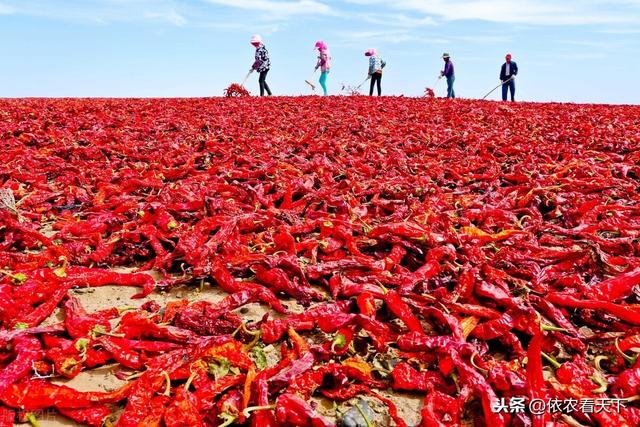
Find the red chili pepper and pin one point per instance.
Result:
(158, 368)
(440, 410)
(295, 368)
(397, 306)
(33, 395)
(535, 379)
(379, 332)
(616, 288)
(477, 382)
(272, 330)
(407, 378)
(183, 410)
(629, 313)
(136, 325)
(279, 281)
(229, 284)
(367, 304)
(264, 417)
(629, 343)
(85, 277)
(628, 382)
(492, 329)
(172, 308)
(474, 310)
(44, 310)
(122, 352)
(236, 91)
(295, 412)
(7, 417)
(79, 323)
(157, 409)
(415, 341)
(28, 350)
(466, 283)
(92, 416)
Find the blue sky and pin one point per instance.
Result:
(571, 50)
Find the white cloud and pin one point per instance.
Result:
(483, 39)
(537, 12)
(170, 16)
(101, 11)
(398, 20)
(6, 10)
(620, 31)
(393, 35)
(278, 8)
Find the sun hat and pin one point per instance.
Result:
(256, 39)
(445, 55)
(370, 52)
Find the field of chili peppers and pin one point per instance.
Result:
(307, 261)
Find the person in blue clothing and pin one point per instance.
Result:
(449, 73)
(508, 72)
(262, 64)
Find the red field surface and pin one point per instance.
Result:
(418, 261)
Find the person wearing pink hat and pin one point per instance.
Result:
(508, 73)
(262, 63)
(376, 64)
(324, 63)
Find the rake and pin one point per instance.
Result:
(365, 80)
(313, 87)
(246, 78)
(502, 83)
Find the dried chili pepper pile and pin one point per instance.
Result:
(236, 90)
(466, 253)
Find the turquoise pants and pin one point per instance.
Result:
(323, 81)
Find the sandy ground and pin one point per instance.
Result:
(102, 379)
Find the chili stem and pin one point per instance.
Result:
(167, 390)
(551, 360)
(544, 327)
(246, 411)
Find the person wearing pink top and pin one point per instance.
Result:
(324, 63)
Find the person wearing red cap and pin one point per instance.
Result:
(507, 76)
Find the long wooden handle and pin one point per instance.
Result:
(246, 78)
(492, 90)
(365, 80)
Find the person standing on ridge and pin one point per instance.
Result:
(262, 63)
(376, 64)
(449, 73)
(508, 72)
(324, 63)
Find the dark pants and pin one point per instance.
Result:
(376, 78)
(450, 92)
(510, 85)
(263, 83)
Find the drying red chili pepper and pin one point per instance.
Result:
(235, 90)
(466, 252)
